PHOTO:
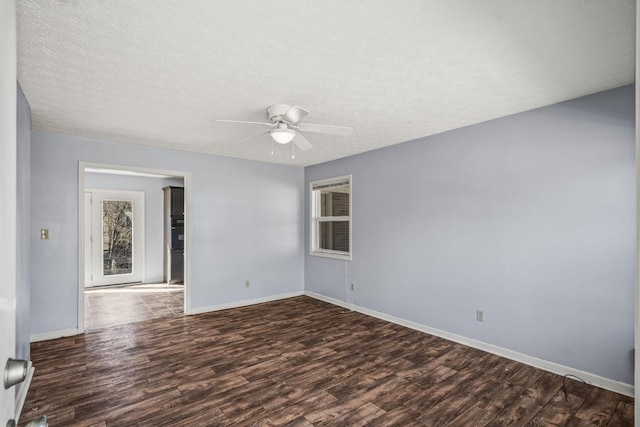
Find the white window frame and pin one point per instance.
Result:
(316, 218)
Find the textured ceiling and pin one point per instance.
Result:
(158, 72)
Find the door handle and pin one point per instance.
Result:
(15, 371)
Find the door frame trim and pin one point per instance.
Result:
(134, 170)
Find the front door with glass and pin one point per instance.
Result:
(114, 250)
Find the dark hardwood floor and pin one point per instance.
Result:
(297, 362)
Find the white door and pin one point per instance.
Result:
(8, 276)
(115, 245)
(7, 286)
(8, 206)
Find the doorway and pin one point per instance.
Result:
(114, 237)
(116, 270)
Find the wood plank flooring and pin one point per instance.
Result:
(108, 306)
(297, 362)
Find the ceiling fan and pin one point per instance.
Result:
(285, 121)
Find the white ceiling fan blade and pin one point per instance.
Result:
(246, 122)
(294, 114)
(301, 142)
(329, 129)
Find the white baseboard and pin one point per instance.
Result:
(605, 383)
(21, 394)
(55, 334)
(244, 303)
(596, 380)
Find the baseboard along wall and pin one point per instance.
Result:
(596, 380)
(605, 383)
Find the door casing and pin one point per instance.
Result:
(140, 171)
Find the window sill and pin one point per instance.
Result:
(331, 254)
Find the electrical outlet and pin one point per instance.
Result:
(479, 316)
(353, 287)
(247, 284)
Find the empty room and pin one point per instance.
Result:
(318, 213)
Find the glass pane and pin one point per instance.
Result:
(334, 235)
(334, 201)
(117, 233)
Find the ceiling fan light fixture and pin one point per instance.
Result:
(283, 136)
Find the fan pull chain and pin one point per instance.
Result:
(272, 146)
(293, 150)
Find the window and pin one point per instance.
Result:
(331, 217)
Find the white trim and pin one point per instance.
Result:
(45, 336)
(314, 220)
(81, 250)
(186, 177)
(135, 170)
(637, 254)
(326, 253)
(23, 390)
(605, 383)
(596, 380)
(244, 303)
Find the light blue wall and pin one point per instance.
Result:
(23, 137)
(530, 218)
(246, 223)
(153, 212)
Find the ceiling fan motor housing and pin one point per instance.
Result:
(289, 114)
(276, 111)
